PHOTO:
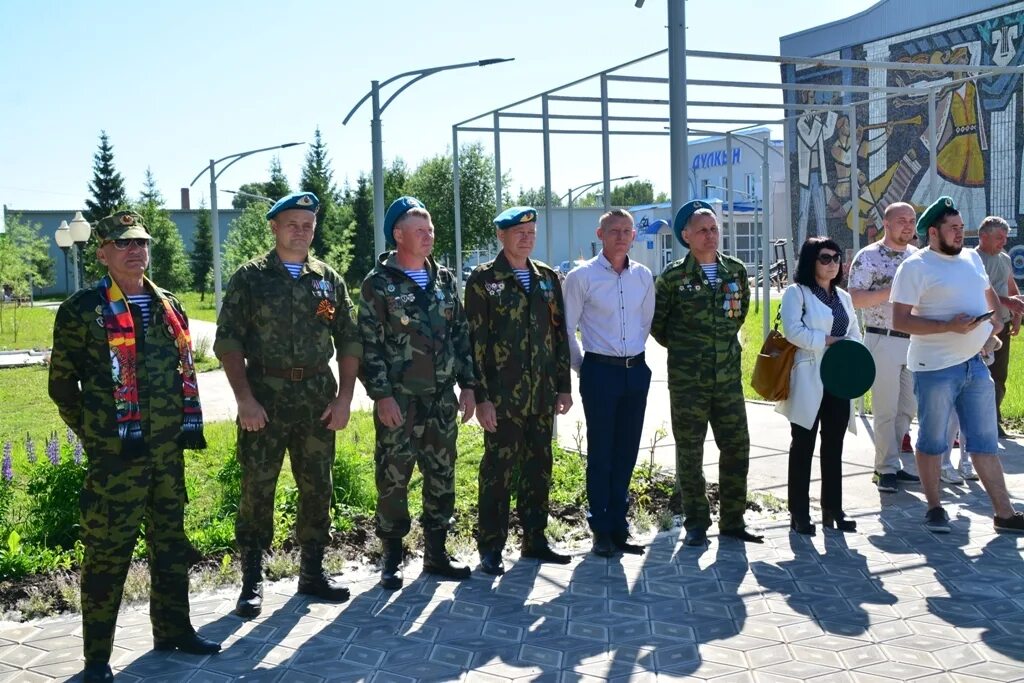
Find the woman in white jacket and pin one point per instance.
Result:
(816, 313)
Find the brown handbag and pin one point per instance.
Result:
(774, 365)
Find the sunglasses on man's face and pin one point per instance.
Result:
(825, 259)
(122, 245)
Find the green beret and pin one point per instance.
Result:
(122, 225)
(683, 217)
(510, 218)
(931, 216)
(398, 208)
(306, 201)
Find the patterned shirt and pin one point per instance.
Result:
(294, 268)
(523, 275)
(874, 267)
(142, 301)
(840, 321)
(710, 272)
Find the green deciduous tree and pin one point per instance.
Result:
(633, 193)
(431, 182)
(24, 260)
(535, 197)
(202, 251)
(272, 189)
(249, 236)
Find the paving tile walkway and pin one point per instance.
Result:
(891, 602)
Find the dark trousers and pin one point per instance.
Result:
(833, 417)
(614, 401)
(523, 443)
(1000, 368)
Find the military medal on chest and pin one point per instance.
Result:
(731, 302)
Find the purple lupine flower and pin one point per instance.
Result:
(70, 436)
(30, 449)
(53, 450)
(79, 449)
(8, 467)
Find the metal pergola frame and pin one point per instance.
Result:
(610, 75)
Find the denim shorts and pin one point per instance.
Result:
(966, 388)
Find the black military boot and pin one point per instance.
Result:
(535, 545)
(436, 559)
(391, 572)
(250, 602)
(313, 580)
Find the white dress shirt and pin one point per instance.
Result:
(612, 310)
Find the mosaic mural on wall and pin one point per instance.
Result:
(979, 140)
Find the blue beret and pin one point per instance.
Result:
(931, 216)
(306, 201)
(510, 218)
(683, 217)
(396, 211)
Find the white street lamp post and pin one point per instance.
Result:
(375, 133)
(215, 217)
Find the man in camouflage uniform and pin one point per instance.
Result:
(416, 347)
(136, 465)
(701, 302)
(517, 323)
(284, 315)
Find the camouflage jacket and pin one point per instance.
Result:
(698, 323)
(415, 341)
(81, 377)
(519, 338)
(278, 321)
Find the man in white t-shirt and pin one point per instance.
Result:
(941, 296)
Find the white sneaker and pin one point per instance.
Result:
(967, 471)
(949, 475)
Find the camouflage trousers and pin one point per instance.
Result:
(293, 412)
(720, 404)
(425, 438)
(119, 495)
(521, 443)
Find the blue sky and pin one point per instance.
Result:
(176, 83)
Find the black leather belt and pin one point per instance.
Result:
(624, 361)
(887, 333)
(296, 374)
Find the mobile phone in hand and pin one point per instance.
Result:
(984, 316)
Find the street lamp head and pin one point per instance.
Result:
(638, 4)
(63, 236)
(79, 228)
(495, 60)
(292, 144)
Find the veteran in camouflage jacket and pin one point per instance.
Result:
(416, 347)
(284, 315)
(517, 323)
(701, 302)
(126, 485)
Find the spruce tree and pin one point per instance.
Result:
(202, 252)
(107, 186)
(317, 177)
(108, 196)
(361, 201)
(168, 262)
(150, 192)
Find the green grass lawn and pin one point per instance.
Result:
(25, 327)
(196, 309)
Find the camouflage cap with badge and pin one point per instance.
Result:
(940, 208)
(683, 216)
(121, 225)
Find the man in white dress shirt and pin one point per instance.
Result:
(611, 300)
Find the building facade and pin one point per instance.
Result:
(980, 123)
